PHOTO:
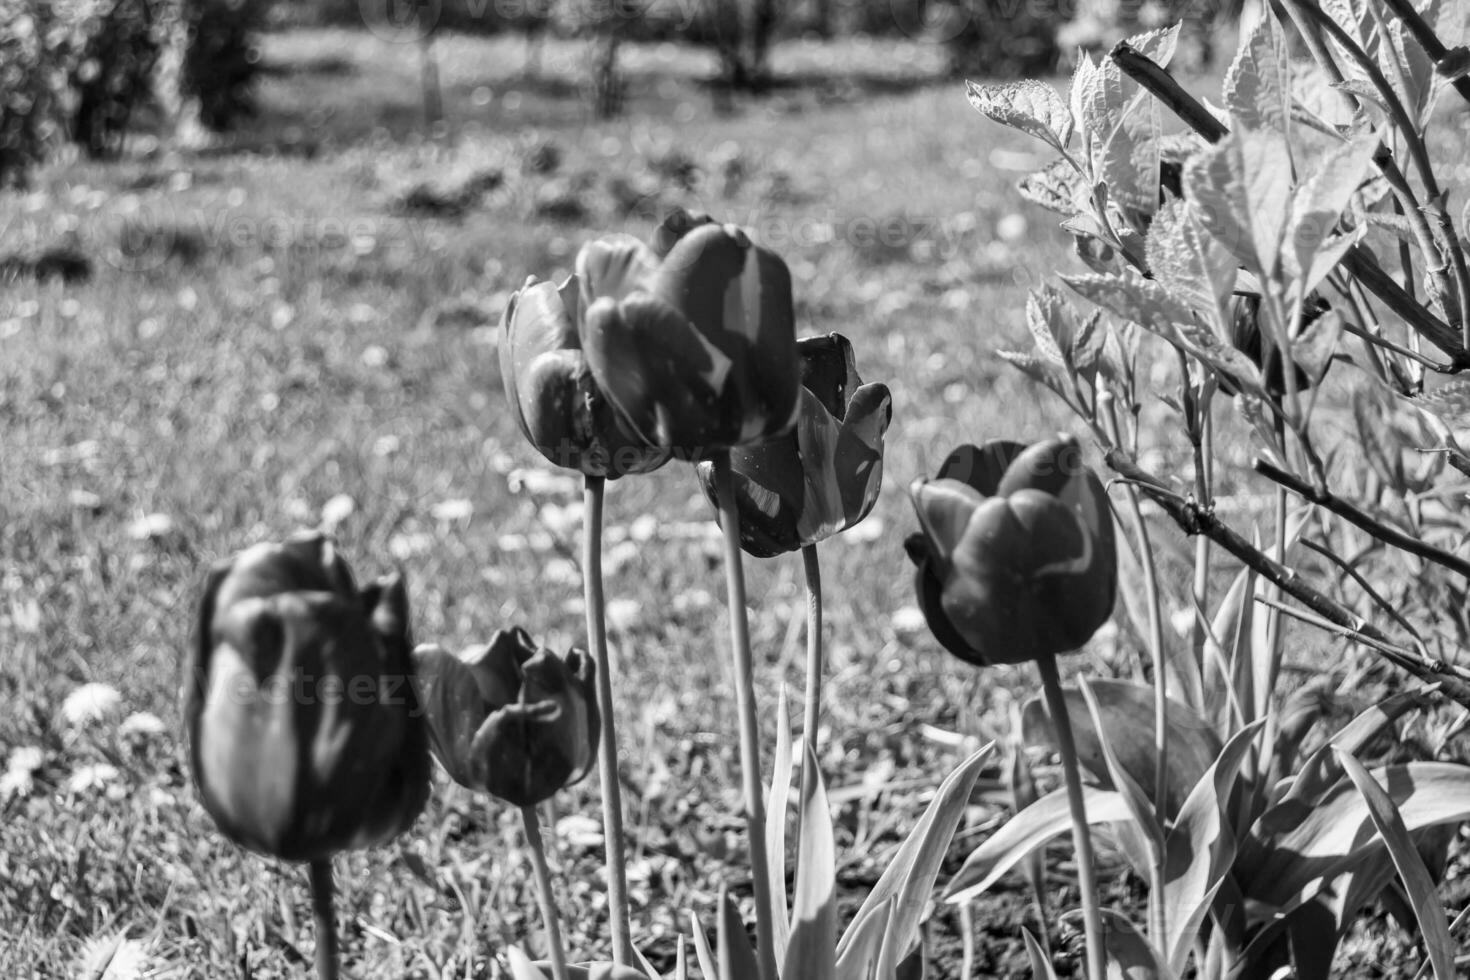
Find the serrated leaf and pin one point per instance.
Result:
(1190, 263)
(1158, 45)
(813, 944)
(1052, 323)
(1131, 297)
(1318, 204)
(1257, 89)
(1038, 370)
(1056, 188)
(1077, 95)
(1201, 847)
(1087, 346)
(1130, 158)
(1241, 190)
(1048, 817)
(1029, 106)
(1449, 403)
(1434, 928)
(909, 877)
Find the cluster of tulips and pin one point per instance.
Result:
(311, 716)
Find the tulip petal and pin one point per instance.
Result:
(829, 371)
(451, 695)
(664, 378)
(737, 296)
(614, 268)
(676, 224)
(988, 595)
(928, 590)
(981, 467)
(945, 508)
(1050, 466)
(536, 322)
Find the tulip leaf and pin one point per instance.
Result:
(1145, 814)
(1126, 710)
(1130, 955)
(776, 824)
(598, 971)
(1026, 831)
(736, 957)
(1201, 847)
(1041, 968)
(1428, 909)
(521, 967)
(909, 878)
(702, 952)
(1336, 833)
(812, 949)
(1323, 770)
(863, 941)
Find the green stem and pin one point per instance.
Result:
(607, 752)
(544, 893)
(320, 873)
(813, 706)
(750, 762)
(1056, 702)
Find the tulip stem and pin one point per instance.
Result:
(544, 894)
(1056, 702)
(607, 752)
(750, 761)
(320, 873)
(813, 705)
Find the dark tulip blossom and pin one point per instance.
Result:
(304, 733)
(508, 718)
(823, 477)
(1016, 557)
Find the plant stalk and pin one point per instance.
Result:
(813, 705)
(320, 873)
(750, 763)
(607, 751)
(544, 894)
(1056, 702)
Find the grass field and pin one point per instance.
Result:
(311, 312)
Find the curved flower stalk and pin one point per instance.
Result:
(519, 723)
(1016, 562)
(304, 733)
(819, 479)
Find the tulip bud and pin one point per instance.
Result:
(304, 731)
(509, 719)
(1016, 556)
(823, 477)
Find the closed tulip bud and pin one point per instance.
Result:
(509, 719)
(1016, 557)
(304, 731)
(696, 347)
(823, 477)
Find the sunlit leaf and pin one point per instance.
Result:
(812, 949)
(1257, 88)
(776, 805)
(1030, 106)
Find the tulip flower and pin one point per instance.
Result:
(822, 477)
(1016, 558)
(509, 719)
(303, 729)
(1016, 562)
(518, 723)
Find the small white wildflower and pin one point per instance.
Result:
(141, 724)
(619, 555)
(1182, 620)
(909, 619)
(116, 958)
(20, 772)
(90, 702)
(580, 830)
(151, 527)
(542, 483)
(337, 510)
(561, 571)
(92, 777)
(410, 544)
(562, 519)
(458, 509)
(643, 528)
(868, 530)
(624, 614)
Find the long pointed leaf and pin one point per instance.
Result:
(1048, 817)
(864, 940)
(1130, 955)
(776, 824)
(1428, 910)
(1041, 968)
(702, 952)
(1145, 814)
(813, 948)
(909, 878)
(1201, 848)
(737, 959)
(521, 967)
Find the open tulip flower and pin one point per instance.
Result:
(640, 355)
(509, 719)
(822, 477)
(304, 735)
(1016, 558)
